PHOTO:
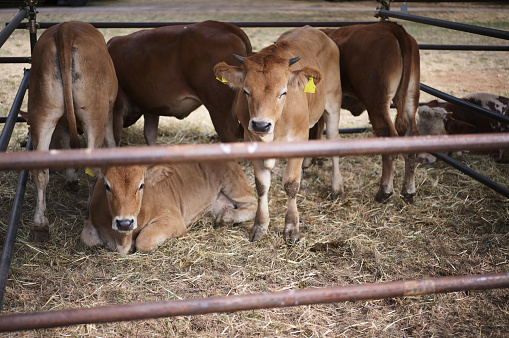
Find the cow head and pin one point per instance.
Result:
(124, 188)
(266, 79)
(431, 122)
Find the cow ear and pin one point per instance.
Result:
(433, 103)
(454, 126)
(299, 78)
(95, 172)
(157, 173)
(230, 75)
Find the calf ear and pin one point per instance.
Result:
(94, 172)
(459, 127)
(230, 75)
(433, 103)
(299, 78)
(157, 173)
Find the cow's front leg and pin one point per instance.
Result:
(41, 223)
(291, 183)
(150, 128)
(262, 183)
(159, 229)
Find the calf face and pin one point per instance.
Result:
(265, 80)
(124, 192)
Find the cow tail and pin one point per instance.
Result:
(245, 40)
(64, 42)
(405, 45)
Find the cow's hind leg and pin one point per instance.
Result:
(41, 141)
(407, 107)
(262, 183)
(71, 180)
(332, 111)
(383, 127)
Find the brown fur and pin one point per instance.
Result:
(142, 206)
(167, 71)
(72, 86)
(274, 107)
(379, 64)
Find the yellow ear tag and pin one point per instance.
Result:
(221, 80)
(310, 86)
(89, 172)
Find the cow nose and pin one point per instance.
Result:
(261, 126)
(125, 224)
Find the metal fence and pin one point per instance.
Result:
(216, 152)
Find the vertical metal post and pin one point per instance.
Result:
(10, 238)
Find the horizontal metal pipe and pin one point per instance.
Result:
(465, 104)
(13, 113)
(494, 33)
(244, 24)
(15, 59)
(11, 26)
(472, 173)
(3, 119)
(60, 159)
(464, 47)
(115, 313)
(12, 229)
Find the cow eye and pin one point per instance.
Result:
(107, 187)
(247, 94)
(141, 186)
(281, 96)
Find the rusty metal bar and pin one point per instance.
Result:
(115, 313)
(61, 159)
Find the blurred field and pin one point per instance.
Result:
(455, 227)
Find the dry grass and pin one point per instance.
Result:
(455, 227)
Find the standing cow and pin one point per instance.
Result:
(142, 206)
(379, 64)
(72, 86)
(449, 119)
(167, 71)
(273, 106)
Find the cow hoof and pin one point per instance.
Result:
(340, 195)
(408, 198)
(71, 186)
(41, 234)
(257, 233)
(383, 197)
(291, 236)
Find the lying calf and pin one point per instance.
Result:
(142, 206)
(449, 119)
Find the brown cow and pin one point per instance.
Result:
(449, 119)
(142, 206)
(167, 71)
(275, 107)
(72, 85)
(379, 64)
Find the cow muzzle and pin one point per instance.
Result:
(261, 126)
(124, 224)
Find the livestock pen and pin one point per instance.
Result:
(241, 151)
